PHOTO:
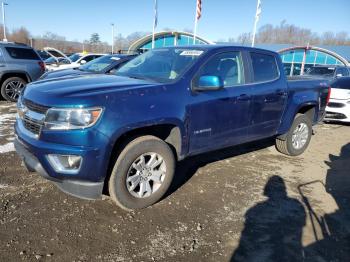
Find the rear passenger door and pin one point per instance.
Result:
(270, 95)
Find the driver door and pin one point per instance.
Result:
(220, 117)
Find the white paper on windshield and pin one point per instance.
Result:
(191, 52)
(115, 58)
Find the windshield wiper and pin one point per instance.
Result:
(139, 77)
(136, 77)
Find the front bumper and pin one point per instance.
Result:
(78, 188)
(338, 110)
(89, 144)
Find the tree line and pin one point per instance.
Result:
(93, 44)
(285, 33)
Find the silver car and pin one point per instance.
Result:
(19, 65)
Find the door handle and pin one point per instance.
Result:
(281, 93)
(243, 97)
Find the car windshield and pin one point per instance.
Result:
(99, 64)
(50, 60)
(162, 65)
(74, 57)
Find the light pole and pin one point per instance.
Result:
(112, 38)
(3, 20)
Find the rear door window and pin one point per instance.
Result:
(264, 67)
(89, 58)
(22, 53)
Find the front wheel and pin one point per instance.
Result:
(142, 173)
(298, 137)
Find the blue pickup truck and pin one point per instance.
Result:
(126, 131)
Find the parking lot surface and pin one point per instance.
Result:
(246, 203)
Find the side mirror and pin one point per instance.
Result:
(339, 75)
(209, 83)
(83, 62)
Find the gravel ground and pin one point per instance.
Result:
(246, 203)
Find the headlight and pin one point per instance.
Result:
(73, 118)
(21, 108)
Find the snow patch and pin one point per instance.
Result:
(9, 147)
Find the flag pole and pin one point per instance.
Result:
(155, 21)
(195, 29)
(257, 14)
(197, 15)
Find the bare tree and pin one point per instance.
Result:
(20, 35)
(244, 38)
(285, 33)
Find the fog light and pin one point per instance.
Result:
(66, 164)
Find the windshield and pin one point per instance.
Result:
(74, 57)
(50, 60)
(99, 64)
(163, 65)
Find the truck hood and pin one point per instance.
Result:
(44, 91)
(341, 94)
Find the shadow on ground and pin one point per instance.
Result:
(335, 244)
(273, 228)
(188, 167)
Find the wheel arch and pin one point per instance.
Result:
(171, 133)
(7, 74)
(308, 108)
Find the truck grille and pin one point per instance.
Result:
(336, 105)
(35, 107)
(32, 126)
(33, 118)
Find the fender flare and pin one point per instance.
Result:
(312, 104)
(15, 72)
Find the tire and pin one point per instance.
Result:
(12, 87)
(286, 145)
(119, 188)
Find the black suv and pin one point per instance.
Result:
(19, 64)
(328, 71)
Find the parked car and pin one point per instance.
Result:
(54, 61)
(43, 54)
(72, 61)
(328, 71)
(19, 65)
(102, 65)
(127, 131)
(338, 108)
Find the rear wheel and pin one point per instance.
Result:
(298, 137)
(12, 87)
(142, 173)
